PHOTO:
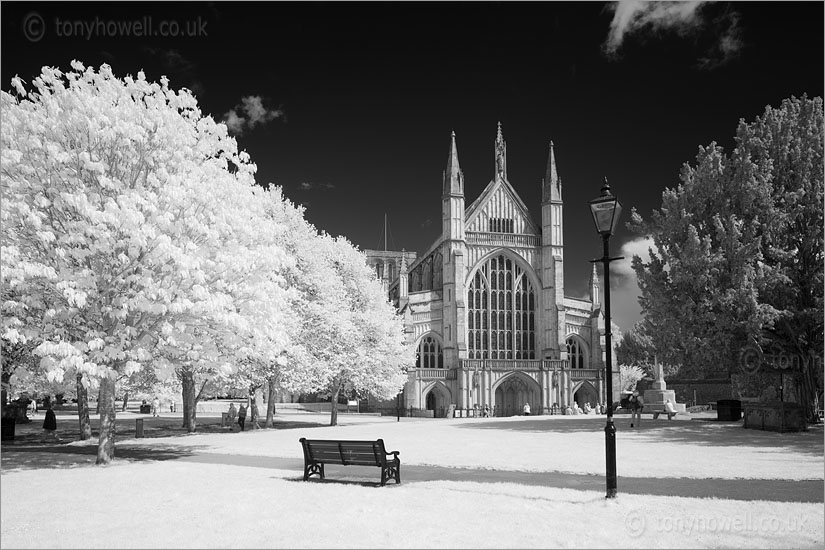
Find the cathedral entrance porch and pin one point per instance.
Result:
(504, 386)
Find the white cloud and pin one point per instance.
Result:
(310, 185)
(234, 123)
(254, 114)
(623, 269)
(637, 16)
(624, 286)
(631, 16)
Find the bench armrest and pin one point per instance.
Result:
(396, 453)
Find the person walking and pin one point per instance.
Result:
(637, 403)
(233, 414)
(242, 417)
(155, 406)
(526, 409)
(50, 424)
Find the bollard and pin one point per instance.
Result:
(138, 427)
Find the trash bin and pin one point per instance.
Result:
(145, 409)
(7, 429)
(224, 420)
(728, 409)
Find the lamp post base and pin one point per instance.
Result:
(610, 456)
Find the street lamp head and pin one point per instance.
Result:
(606, 210)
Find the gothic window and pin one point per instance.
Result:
(427, 277)
(501, 225)
(575, 353)
(429, 354)
(501, 312)
(415, 280)
(438, 264)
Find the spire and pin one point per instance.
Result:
(501, 155)
(594, 289)
(403, 267)
(453, 177)
(551, 185)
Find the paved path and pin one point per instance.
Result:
(762, 489)
(24, 455)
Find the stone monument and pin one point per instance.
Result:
(658, 394)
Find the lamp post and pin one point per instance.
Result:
(606, 210)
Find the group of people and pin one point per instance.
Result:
(574, 408)
(237, 415)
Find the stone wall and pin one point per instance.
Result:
(707, 391)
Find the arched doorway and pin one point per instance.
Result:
(513, 392)
(437, 399)
(586, 393)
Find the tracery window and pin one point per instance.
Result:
(575, 353)
(501, 225)
(429, 354)
(501, 312)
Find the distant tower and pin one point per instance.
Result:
(552, 261)
(403, 281)
(453, 254)
(594, 290)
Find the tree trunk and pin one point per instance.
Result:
(272, 386)
(190, 400)
(253, 407)
(125, 401)
(83, 410)
(333, 419)
(809, 388)
(3, 393)
(106, 444)
(99, 397)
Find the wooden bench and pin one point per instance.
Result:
(657, 410)
(318, 452)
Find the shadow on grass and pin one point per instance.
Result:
(29, 449)
(696, 431)
(57, 455)
(355, 482)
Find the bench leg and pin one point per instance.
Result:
(312, 469)
(392, 471)
(655, 415)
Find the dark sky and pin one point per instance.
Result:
(359, 99)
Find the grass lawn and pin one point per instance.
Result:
(154, 495)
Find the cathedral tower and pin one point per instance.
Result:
(453, 253)
(552, 262)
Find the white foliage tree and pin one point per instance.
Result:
(128, 219)
(629, 376)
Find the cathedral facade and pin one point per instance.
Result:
(486, 309)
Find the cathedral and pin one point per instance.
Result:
(486, 309)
